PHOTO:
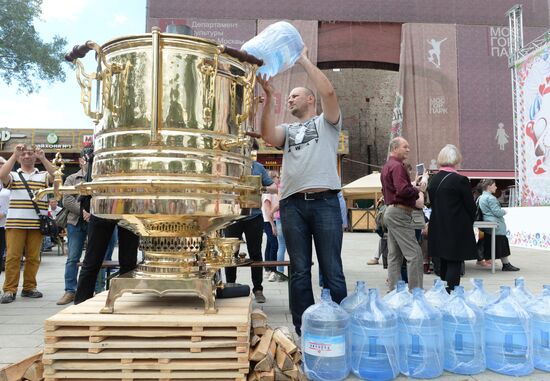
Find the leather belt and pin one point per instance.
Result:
(315, 195)
(404, 207)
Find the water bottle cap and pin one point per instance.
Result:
(373, 292)
(519, 281)
(360, 285)
(400, 285)
(477, 282)
(325, 294)
(417, 291)
(504, 290)
(459, 291)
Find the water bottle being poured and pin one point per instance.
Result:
(279, 46)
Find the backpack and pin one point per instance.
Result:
(379, 218)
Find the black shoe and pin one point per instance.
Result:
(8, 297)
(35, 294)
(509, 267)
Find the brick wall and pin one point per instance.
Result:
(366, 98)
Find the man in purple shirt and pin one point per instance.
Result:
(400, 195)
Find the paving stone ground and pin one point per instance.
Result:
(21, 322)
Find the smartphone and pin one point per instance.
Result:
(420, 169)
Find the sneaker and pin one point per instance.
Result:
(34, 293)
(373, 261)
(273, 277)
(259, 296)
(67, 298)
(267, 274)
(8, 297)
(509, 267)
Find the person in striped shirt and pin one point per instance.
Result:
(22, 224)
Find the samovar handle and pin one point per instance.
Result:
(85, 79)
(241, 55)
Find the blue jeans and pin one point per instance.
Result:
(271, 246)
(322, 220)
(282, 245)
(101, 281)
(76, 236)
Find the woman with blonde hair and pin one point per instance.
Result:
(492, 211)
(451, 234)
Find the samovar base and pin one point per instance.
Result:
(204, 288)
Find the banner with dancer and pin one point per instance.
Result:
(533, 127)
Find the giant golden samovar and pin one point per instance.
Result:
(171, 155)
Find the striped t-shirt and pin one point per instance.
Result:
(21, 213)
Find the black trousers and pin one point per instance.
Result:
(253, 230)
(450, 271)
(100, 231)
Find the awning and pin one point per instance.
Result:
(495, 175)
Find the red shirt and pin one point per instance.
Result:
(396, 184)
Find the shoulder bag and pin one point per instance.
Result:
(48, 227)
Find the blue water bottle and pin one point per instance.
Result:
(540, 315)
(508, 336)
(358, 297)
(399, 296)
(374, 340)
(326, 340)
(420, 338)
(478, 295)
(279, 46)
(462, 335)
(521, 293)
(438, 296)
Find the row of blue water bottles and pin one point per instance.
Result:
(421, 334)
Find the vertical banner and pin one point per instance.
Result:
(485, 96)
(427, 91)
(293, 77)
(533, 127)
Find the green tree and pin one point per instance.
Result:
(25, 59)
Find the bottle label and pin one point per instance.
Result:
(325, 346)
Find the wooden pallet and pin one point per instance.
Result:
(148, 337)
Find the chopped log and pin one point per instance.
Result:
(254, 340)
(284, 361)
(264, 365)
(259, 319)
(263, 347)
(252, 376)
(287, 344)
(293, 373)
(297, 357)
(267, 376)
(258, 314)
(272, 349)
(35, 372)
(16, 371)
(259, 331)
(280, 376)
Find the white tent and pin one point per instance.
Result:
(368, 188)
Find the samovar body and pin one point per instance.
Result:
(171, 159)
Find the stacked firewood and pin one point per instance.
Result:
(273, 354)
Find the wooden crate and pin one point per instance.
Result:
(148, 337)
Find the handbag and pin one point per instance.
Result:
(61, 218)
(48, 227)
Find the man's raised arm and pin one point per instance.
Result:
(329, 101)
(271, 134)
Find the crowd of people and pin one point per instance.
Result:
(301, 206)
